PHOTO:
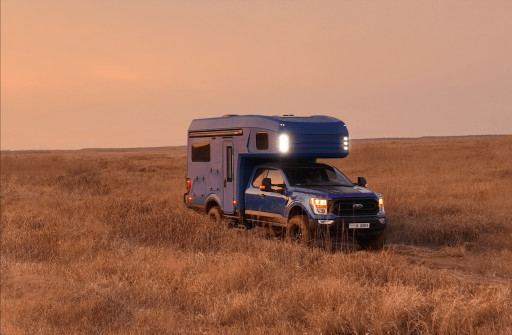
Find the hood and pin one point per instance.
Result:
(337, 191)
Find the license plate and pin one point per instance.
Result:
(358, 225)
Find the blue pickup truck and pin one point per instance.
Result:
(255, 170)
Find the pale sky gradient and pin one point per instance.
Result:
(118, 73)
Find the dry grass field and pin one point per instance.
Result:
(99, 242)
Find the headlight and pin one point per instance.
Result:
(319, 206)
(381, 205)
(345, 143)
(284, 143)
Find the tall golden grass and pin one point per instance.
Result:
(97, 242)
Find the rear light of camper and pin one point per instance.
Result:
(319, 205)
(189, 184)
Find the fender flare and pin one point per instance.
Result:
(296, 204)
(212, 198)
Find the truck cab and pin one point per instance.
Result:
(321, 196)
(255, 170)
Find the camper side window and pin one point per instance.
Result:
(201, 152)
(262, 140)
(229, 164)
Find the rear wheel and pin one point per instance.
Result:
(215, 214)
(297, 230)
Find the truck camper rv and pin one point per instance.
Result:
(256, 170)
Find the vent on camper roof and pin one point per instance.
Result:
(228, 115)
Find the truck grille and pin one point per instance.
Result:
(355, 206)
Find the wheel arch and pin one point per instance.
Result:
(296, 209)
(212, 201)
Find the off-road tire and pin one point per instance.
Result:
(297, 230)
(215, 215)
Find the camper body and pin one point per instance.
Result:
(262, 171)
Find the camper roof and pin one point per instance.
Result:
(277, 136)
(317, 124)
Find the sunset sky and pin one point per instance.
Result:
(123, 73)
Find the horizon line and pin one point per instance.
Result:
(113, 149)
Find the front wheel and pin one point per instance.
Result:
(297, 230)
(373, 244)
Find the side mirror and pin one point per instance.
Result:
(266, 185)
(361, 181)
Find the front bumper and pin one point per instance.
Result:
(340, 227)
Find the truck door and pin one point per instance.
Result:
(228, 186)
(265, 206)
(274, 203)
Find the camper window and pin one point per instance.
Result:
(201, 152)
(262, 140)
(229, 164)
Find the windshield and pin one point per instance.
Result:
(316, 175)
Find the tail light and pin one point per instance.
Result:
(189, 184)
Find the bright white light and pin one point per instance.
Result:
(345, 143)
(284, 143)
